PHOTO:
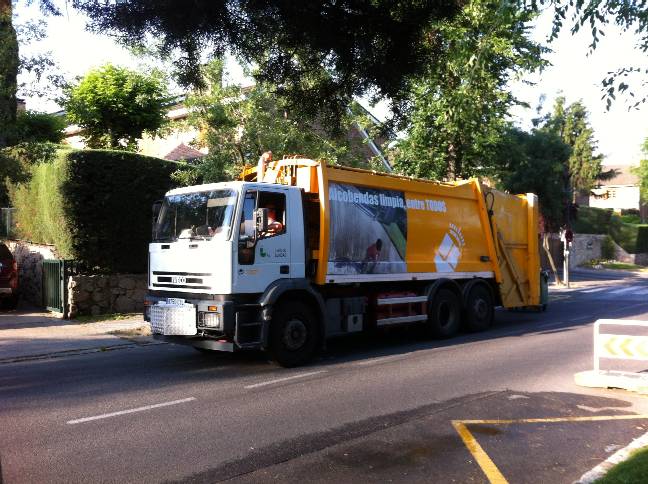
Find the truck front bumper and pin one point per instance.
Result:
(197, 342)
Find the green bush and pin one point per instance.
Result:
(95, 206)
(631, 219)
(592, 220)
(607, 248)
(632, 237)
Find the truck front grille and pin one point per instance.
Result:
(180, 280)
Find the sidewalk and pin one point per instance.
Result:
(26, 335)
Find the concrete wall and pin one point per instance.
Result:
(102, 294)
(30, 268)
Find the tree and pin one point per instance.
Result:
(9, 73)
(36, 127)
(533, 163)
(571, 124)
(114, 106)
(10, 63)
(642, 172)
(461, 103)
(597, 16)
(237, 125)
(319, 55)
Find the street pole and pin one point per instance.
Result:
(566, 263)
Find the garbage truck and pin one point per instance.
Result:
(309, 251)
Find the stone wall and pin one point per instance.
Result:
(622, 256)
(102, 294)
(30, 268)
(584, 248)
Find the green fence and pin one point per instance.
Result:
(7, 223)
(55, 276)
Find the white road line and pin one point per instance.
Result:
(596, 289)
(279, 380)
(381, 359)
(623, 290)
(130, 410)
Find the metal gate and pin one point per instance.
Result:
(55, 276)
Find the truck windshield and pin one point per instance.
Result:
(199, 215)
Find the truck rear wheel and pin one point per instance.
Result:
(293, 334)
(444, 314)
(479, 308)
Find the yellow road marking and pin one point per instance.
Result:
(486, 464)
(591, 418)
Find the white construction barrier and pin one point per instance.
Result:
(618, 347)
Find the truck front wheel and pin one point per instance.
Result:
(444, 314)
(293, 334)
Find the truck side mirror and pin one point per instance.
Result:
(155, 213)
(261, 217)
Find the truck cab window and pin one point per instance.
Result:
(275, 203)
(247, 216)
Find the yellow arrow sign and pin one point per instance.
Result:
(623, 346)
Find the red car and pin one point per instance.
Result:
(8, 278)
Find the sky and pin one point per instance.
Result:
(573, 73)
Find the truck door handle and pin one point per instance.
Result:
(284, 269)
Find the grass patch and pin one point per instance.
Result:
(622, 266)
(634, 470)
(612, 264)
(108, 317)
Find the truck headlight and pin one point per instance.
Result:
(210, 320)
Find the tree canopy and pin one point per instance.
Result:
(460, 105)
(597, 16)
(319, 54)
(238, 124)
(533, 163)
(571, 124)
(115, 105)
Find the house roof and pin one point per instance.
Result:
(623, 177)
(183, 152)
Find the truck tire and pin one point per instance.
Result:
(444, 314)
(293, 334)
(480, 310)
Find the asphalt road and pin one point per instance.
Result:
(371, 408)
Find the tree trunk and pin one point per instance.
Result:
(8, 72)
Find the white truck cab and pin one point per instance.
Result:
(218, 252)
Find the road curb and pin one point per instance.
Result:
(621, 455)
(80, 351)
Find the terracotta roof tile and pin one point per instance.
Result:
(183, 152)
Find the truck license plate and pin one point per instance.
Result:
(175, 301)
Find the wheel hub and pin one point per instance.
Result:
(294, 335)
(480, 308)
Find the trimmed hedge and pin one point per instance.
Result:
(591, 220)
(94, 206)
(632, 237)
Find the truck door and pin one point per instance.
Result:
(269, 258)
